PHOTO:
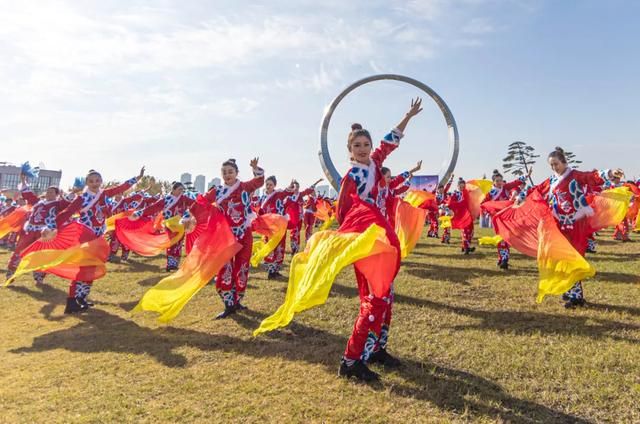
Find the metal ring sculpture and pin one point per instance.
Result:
(325, 158)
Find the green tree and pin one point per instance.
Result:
(519, 160)
(571, 159)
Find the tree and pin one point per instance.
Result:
(152, 186)
(519, 160)
(571, 159)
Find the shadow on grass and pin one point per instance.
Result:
(449, 389)
(137, 265)
(459, 275)
(615, 308)
(522, 322)
(617, 277)
(610, 256)
(151, 281)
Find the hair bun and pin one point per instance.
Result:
(232, 160)
(496, 172)
(559, 150)
(356, 126)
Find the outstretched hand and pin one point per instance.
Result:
(416, 107)
(141, 174)
(254, 163)
(317, 182)
(417, 167)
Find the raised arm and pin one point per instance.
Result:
(399, 179)
(592, 178)
(391, 141)
(416, 108)
(448, 186)
(112, 191)
(152, 209)
(258, 177)
(515, 184)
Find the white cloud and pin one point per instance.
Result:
(478, 26)
(105, 75)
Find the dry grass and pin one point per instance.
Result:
(475, 347)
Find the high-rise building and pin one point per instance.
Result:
(199, 184)
(214, 182)
(185, 178)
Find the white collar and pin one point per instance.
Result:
(93, 200)
(227, 191)
(371, 176)
(560, 178)
(269, 196)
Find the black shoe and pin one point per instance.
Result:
(383, 358)
(228, 310)
(89, 303)
(358, 370)
(590, 251)
(113, 259)
(171, 268)
(74, 306)
(574, 303)
(504, 264)
(466, 251)
(240, 307)
(565, 297)
(472, 249)
(275, 276)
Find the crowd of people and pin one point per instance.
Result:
(378, 216)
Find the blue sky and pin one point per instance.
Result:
(184, 85)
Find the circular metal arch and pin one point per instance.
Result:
(448, 165)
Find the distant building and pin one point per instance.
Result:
(199, 183)
(10, 178)
(185, 178)
(214, 182)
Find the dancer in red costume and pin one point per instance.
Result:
(397, 185)
(458, 202)
(295, 208)
(365, 181)
(176, 203)
(234, 198)
(92, 207)
(442, 195)
(42, 217)
(566, 196)
(502, 191)
(275, 201)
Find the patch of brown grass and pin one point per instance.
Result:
(475, 345)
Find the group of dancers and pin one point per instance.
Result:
(379, 218)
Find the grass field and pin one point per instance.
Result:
(475, 347)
